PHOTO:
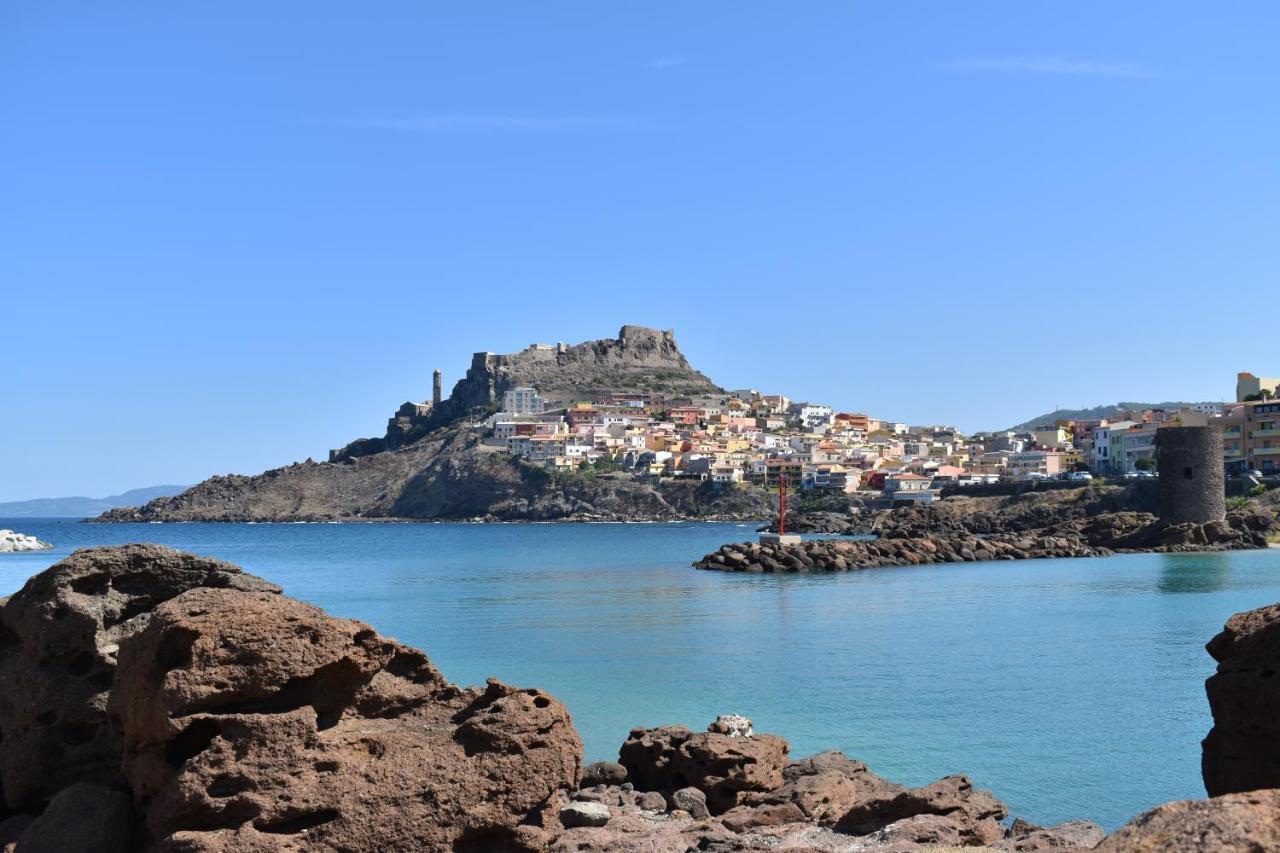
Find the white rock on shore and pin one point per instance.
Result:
(11, 542)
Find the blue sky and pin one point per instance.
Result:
(234, 235)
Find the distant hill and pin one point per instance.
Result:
(1092, 414)
(81, 507)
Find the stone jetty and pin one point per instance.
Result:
(847, 555)
(912, 538)
(11, 542)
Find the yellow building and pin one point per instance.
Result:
(1051, 436)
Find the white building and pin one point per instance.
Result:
(522, 401)
(814, 415)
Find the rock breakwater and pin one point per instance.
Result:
(1097, 536)
(11, 542)
(846, 555)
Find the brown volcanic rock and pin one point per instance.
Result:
(1236, 823)
(59, 637)
(253, 721)
(669, 758)
(82, 817)
(975, 814)
(1242, 750)
(826, 786)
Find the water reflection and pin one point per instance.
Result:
(1204, 572)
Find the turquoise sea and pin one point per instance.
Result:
(1071, 688)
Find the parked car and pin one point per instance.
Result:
(1081, 476)
(1253, 472)
(1147, 475)
(1131, 475)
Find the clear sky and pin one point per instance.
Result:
(233, 234)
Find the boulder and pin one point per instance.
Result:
(584, 814)
(976, 814)
(826, 786)
(671, 757)
(1236, 823)
(59, 637)
(1070, 835)
(745, 818)
(733, 725)
(1242, 750)
(251, 720)
(85, 818)
(652, 801)
(922, 830)
(690, 800)
(11, 542)
(603, 773)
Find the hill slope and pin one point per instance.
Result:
(435, 465)
(1092, 414)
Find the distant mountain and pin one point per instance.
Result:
(1092, 414)
(81, 507)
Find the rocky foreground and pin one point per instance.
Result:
(155, 700)
(11, 542)
(908, 542)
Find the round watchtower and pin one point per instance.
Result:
(1192, 486)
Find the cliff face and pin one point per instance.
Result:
(639, 359)
(438, 467)
(448, 475)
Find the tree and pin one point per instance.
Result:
(1145, 464)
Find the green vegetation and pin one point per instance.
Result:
(606, 465)
(581, 477)
(1258, 491)
(1237, 502)
(1145, 464)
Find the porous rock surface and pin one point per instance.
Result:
(1236, 823)
(826, 802)
(239, 719)
(248, 715)
(1242, 750)
(720, 765)
(59, 638)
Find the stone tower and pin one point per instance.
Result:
(1192, 486)
(435, 388)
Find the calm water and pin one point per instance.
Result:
(1072, 688)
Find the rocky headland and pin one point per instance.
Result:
(435, 465)
(11, 542)
(156, 700)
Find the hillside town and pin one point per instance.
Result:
(767, 439)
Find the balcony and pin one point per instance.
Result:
(1267, 433)
(1267, 451)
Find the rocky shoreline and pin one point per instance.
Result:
(157, 700)
(12, 543)
(911, 544)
